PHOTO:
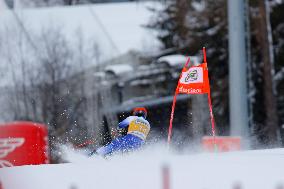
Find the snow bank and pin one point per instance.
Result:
(3, 5)
(251, 169)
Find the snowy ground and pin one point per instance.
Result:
(263, 169)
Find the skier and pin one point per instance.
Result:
(136, 128)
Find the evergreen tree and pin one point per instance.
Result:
(170, 22)
(277, 24)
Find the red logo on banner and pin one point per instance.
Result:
(194, 80)
(8, 145)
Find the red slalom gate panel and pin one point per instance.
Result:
(221, 144)
(23, 143)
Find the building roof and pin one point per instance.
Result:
(119, 69)
(177, 60)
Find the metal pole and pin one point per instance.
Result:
(237, 69)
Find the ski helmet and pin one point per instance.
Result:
(140, 112)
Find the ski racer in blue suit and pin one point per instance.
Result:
(137, 130)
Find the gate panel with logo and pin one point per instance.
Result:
(23, 143)
(221, 143)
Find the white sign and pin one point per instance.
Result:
(192, 75)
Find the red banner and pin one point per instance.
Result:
(194, 80)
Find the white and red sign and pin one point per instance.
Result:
(192, 75)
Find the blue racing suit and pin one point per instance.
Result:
(138, 129)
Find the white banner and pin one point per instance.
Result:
(192, 75)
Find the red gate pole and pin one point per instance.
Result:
(210, 106)
(171, 119)
(212, 118)
(174, 105)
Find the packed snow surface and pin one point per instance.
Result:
(247, 169)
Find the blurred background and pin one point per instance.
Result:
(80, 66)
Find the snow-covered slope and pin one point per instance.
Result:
(251, 169)
(2, 5)
(116, 27)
